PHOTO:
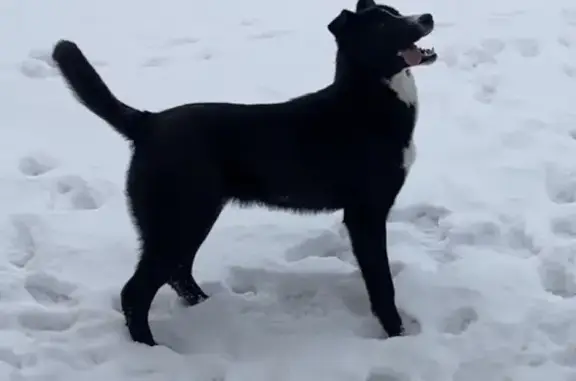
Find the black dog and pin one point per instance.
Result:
(347, 146)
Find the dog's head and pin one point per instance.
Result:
(378, 38)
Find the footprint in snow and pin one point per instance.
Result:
(565, 357)
(267, 35)
(332, 242)
(37, 164)
(558, 277)
(527, 47)
(204, 55)
(570, 71)
(24, 240)
(472, 230)
(489, 87)
(477, 56)
(386, 374)
(569, 16)
(48, 290)
(74, 193)
(561, 185)
(519, 238)
(484, 53)
(335, 242)
(249, 22)
(180, 41)
(459, 320)
(10, 357)
(493, 46)
(156, 62)
(173, 43)
(40, 318)
(564, 225)
(566, 40)
(423, 215)
(286, 283)
(299, 292)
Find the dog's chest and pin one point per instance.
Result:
(404, 85)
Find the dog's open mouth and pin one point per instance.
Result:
(415, 55)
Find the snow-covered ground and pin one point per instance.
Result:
(483, 237)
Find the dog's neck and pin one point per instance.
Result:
(347, 74)
(402, 84)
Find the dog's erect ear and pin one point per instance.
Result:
(340, 22)
(363, 4)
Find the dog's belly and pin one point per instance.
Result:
(310, 200)
(308, 204)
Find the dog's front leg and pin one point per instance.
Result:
(367, 230)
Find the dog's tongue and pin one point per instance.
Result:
(412, 56)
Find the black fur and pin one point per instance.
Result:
(338, 148)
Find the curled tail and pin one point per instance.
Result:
(92, 92)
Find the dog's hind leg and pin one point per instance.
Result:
(173, 221)
(182, 280)
(153, 271)
(170, 239)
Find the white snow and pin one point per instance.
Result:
(482, 239)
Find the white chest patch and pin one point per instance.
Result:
(404, 85)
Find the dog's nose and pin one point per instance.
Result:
(426, 19)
